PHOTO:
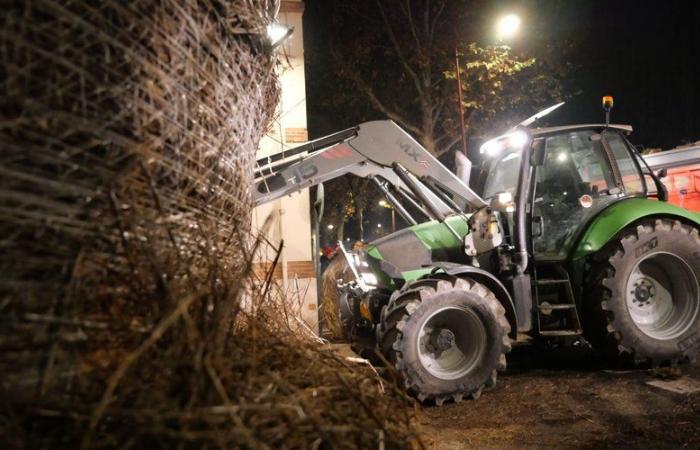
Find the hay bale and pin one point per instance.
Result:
(122, 121)
(128, 133)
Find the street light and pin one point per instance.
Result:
(331, 226)
(507, 26)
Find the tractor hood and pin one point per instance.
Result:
(415, 247)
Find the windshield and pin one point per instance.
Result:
(502, 173)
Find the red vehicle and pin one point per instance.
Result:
(683, 175)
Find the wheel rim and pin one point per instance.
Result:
(451, 342)
(662, 296)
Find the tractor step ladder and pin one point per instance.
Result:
(554, 300)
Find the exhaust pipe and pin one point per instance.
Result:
(464, 167)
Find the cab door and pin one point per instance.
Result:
(577, 179)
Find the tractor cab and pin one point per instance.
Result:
(575, 172)
(549, 185)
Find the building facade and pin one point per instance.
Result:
(291, 218)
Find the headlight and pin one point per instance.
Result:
(505, 197)
(369, 278)
(356, 259)
(505, 202)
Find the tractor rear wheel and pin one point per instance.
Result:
(644, 301)
(446, 336)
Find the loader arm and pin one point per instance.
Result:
(330, 163)
(370, 150)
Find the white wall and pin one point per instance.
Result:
(292, 218)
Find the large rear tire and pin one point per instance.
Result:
(446, 336)
(644, 297)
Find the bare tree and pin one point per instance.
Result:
(400, 58)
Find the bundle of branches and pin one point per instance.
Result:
(129, 316)
(330, 296)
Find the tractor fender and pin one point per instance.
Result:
(618, 216)
(488, 280)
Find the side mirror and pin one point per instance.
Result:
(662, 192)
(661, 189)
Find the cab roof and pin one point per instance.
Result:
(597, 126)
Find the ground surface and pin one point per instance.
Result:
(565, 398)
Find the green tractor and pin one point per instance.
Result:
(571, 236)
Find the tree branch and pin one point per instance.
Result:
(373, 99)
(397, 48)
(445, 148)
(437, 110)
(389, 113)
(412, 26)
(442, 149)
(433, 26)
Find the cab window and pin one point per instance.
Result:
(503, 174)
(629, 171)
(572, 186)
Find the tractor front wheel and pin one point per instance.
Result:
(446, 336)
(644, 301)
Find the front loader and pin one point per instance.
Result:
(571, 236)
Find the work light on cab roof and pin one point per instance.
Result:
(515, 140)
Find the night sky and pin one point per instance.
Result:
(644, 53)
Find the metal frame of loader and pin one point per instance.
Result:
(403, 170)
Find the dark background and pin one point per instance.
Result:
(644, 53)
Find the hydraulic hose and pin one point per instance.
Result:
(430, 206)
